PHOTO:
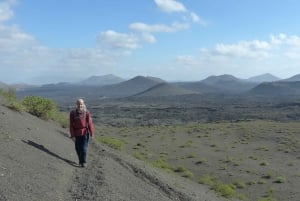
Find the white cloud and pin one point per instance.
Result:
(283, 39)
(117, 40)
(289, 45)
(279, 56)
(12, 38)
(247, 49)
(148, 38)
(142, 27)
(22, 54)
(6, 12)
(195, 17)
(293, 54)
(170, 6)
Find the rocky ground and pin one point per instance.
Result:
(38, 162)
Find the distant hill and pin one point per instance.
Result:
(101, 80)
(228, 84)
(149, 87)
(294, 78)
(199, 87)
(59, 84)
(66, 92)
(215, 80)
(22, 86)
(267, 77)
(165, 89)
(130, 87)
(4, 86)
(277, 89)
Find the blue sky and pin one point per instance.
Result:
(53, 41)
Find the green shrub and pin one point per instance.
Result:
(224, 190)
(268, 175)
(15, 105)
(113, 142)
(46, 109)
(267, 199)
(239, 184)
(10, 96)
(185, 172)
(139, 155)
(242, 197)
(264, 163)
(201, 160)
(163, 164)
(251, 182)
(40, 106)
(206, 179)
(188, 174)
(280, 180)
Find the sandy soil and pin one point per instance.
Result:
(38, 162)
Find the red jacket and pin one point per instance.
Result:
(79, 122)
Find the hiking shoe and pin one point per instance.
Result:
(83, 165)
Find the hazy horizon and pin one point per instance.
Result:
(129, 78)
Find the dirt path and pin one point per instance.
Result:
(114, 176)
(37, 162)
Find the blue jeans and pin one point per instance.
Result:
(81, 146)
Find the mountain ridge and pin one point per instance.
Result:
(267, 77)
(222, 84)
(101, 80)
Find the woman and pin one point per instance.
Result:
(81, 129)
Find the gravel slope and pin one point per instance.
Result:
(38, 162)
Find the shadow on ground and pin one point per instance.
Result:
(42, 148)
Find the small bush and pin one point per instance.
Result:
(201, 160)
(186, 173)
(10, 96)
(262, 181)
(162, 164)
(113, 142)
(15, 105)
(180, 169)
(280, 180)
(251, 182)
(40, 106)
(224, 190)
(242, 197)
(206, 179)
(264, 163)
(139, 155)
(267, 199)
(268, 175)
(239, 184)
